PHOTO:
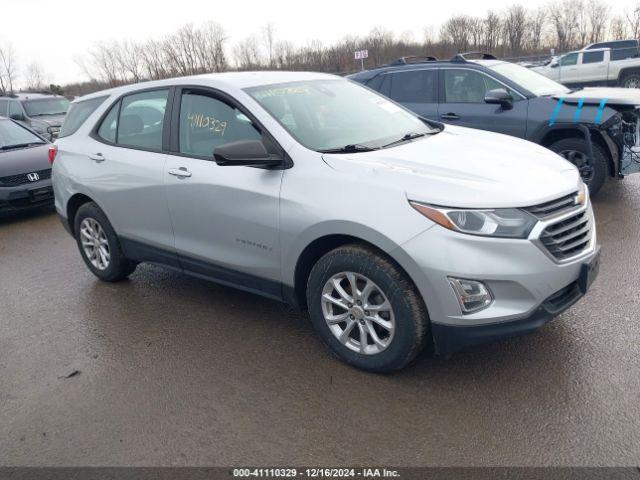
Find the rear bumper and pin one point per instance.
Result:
(449, 339)
(25, 197)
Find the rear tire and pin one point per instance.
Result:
(99, 245)
(631, 80)
(595, 171)
(387, 309)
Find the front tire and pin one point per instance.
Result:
(366, 309)
(99, 245)
(594, 170)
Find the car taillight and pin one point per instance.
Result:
(53, 150)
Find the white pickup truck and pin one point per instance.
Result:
(615, 65)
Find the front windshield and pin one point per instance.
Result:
(536, 83)
(46, 106)
(13, 135)
(326, 115)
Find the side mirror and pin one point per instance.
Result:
(251, 153)
(499, 96)
(554, 63)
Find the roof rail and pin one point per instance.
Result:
(462, 57)
(413, 59)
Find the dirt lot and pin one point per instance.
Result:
(177, 371)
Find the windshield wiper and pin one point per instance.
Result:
(405, 138)
(20, 145)
(351, 148)
(48, 113)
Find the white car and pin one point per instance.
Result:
(314, 190)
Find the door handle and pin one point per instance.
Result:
(181, 172)
(450, 116)
(97, 157)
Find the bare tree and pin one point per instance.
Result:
(618, 28)
(268, 38)
(515, 25)
(34, 77)
(456, 32)
(8, 68)
(492, 27)
(633, 20)
(247, 53)
(476, 26)
(537, 26)
(564, 18)
(599, 13)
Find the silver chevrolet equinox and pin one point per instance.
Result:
(395, 232)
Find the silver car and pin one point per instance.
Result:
(308, 188)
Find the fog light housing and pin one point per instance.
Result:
(472, 295)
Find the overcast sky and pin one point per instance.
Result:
(53, 33)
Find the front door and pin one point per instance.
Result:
(463, 104)
(225, 218)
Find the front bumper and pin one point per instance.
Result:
(25, 197)
(528, 285)
(449, 339)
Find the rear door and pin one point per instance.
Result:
(123, 165)
(225, 218)
(463, 93)
(417, 90)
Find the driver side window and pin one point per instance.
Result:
(469, 86)
(568, 60)
(207, 123)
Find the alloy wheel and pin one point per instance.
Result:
(94, 243)
(358, 313)
(581, 161)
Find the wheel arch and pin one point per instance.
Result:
(320, 246)
(550, 136)
(73, 205)
(627, 71)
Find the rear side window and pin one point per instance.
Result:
(136, 121)
(3, 107)
(592, 57)
(78, 114)
(417, 86)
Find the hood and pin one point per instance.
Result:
(24, 160)
(613, 96)
(462, 167)
(48, 120)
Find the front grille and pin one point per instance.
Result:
(554, 207)
(22, 179)
(568, 237)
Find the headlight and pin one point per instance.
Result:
(501, 222)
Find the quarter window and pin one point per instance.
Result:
(207, 123)
(78, 113)
(592, 57)
(469, 86)
(417, 86)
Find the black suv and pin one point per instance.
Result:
(595, 129)
(41, 112)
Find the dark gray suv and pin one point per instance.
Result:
(41, 112)
(597, 129)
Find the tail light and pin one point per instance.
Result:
(53, 150)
